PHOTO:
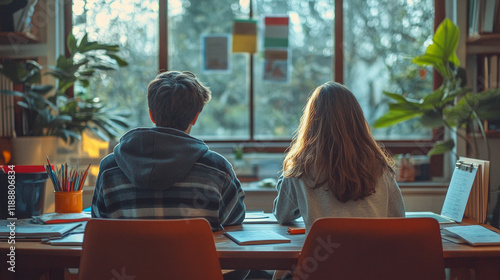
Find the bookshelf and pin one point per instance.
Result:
(477, 50)
(41, 42)
(483, 51)
(7, 38)
(483, 43)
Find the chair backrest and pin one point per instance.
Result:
(148, 249)
(359, 248)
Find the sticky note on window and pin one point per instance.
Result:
(276, 32)
(245, 35)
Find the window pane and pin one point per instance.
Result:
(380, 38)
(278, 106)
(226, 116)
(133, 25)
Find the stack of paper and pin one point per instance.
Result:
(474, 235)
(59, 218)
(26, 230)
(69, 240)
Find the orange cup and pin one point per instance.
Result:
(68, 202)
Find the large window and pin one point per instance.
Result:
(379, 38)
(134, 26)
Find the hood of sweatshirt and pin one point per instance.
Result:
(157, 157)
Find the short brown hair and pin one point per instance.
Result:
(175, 98)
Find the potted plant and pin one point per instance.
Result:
(452, 105)
(87, 112)
(48, 114)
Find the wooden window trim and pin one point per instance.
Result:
(279, 146)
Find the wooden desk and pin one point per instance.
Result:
(34, 255)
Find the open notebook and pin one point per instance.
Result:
(455, 202)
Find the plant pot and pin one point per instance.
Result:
(33, 150)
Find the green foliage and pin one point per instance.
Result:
(58, 114)
(85, 59)
(440, 108)
(443, 49)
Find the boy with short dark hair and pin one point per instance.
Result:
(163, 172)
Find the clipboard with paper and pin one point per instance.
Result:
(467, 193)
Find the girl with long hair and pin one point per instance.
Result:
(334, 167)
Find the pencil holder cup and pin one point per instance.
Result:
(68, 202)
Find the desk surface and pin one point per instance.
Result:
(232, 255)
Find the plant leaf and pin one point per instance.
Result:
(441, 147)
(434, 97)
(121, 62)
(446, 38)
(432, 119)
(405, 107)
(395, 117)
(71, 43)
(41, 89)
(442, 50)
(12, 92)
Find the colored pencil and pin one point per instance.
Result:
(66, 179)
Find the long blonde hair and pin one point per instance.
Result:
(333, 145)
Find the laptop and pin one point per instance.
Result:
(457, 195)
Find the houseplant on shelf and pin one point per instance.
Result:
(56, 114)
(87, 112)
(452, 105)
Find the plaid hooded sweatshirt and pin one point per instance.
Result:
(163, 173)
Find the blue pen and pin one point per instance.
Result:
(54, 179)
(47, 168)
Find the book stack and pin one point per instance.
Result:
(24, 229)
(477, 203)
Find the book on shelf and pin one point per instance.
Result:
(6, 108)
(256, 237)
(493, 72)
(488, 16)
(496, 23)
(483, 17)
(488, 73)
(475, 235)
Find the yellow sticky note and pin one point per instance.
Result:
(244, 43)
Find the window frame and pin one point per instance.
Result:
(280, 146)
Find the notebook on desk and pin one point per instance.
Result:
(259, 217)
(457, 195)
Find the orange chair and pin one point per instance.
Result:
(359, 248)
(148, 249)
